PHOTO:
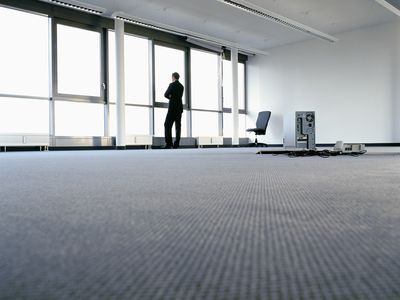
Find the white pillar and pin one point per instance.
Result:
(396, 96)
(235, 96)
(120, 71)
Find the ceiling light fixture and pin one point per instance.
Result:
(78, 6)
(392, 5)
(271, 16)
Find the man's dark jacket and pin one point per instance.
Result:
(174, 93)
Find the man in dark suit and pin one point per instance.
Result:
(174, 94)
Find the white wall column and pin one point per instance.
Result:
(396, 87)
(235, 96)
(120, 71)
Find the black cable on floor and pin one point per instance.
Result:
(307, 153)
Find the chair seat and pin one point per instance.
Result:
(256, 130)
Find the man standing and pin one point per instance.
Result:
(174, 94)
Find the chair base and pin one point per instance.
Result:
(257, 145)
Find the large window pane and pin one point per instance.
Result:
(24, 68)
(227, 83)
(24, 116)
(136, 69)
(228, 125)
(241, 86)
(159, 119)
(204, 78)
(167, 61)
(204, 123)
(78, 61)
(79, 119)
(137, 120)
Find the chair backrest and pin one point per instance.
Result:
(263, 119)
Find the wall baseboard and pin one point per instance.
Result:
(80, 148)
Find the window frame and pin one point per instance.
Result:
(49, 19)
(103, 98)
(229, 110)
(219, 110)
(187, 104)
(150, 64)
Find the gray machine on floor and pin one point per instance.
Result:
(299, 130)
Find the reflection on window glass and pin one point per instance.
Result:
(78, 61)
(227, 84)
(79, 119)
(228, 125)
(136, 69)
(24, 68)
(204, 123)
(159, 119)
(24, 116)
(167, 61)
(204, 78)
(137, 120)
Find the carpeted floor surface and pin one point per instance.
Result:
(198, 224)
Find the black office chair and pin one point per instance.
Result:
(261, 124)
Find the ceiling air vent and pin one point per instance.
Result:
(78, 6)
(392, 5)
(271, 16)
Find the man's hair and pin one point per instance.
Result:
(175, 75)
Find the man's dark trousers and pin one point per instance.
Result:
(173, 117)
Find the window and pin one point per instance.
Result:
(205, 123)
(137, 81)
(24, 116)
(79, 119)
(159, 119)
(24, 66)
(241, 86)
(78, 61)
(227, 84)
(167, 61)
(137, 120)
(228, 125)
(204, 80)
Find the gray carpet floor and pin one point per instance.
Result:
(198, 224)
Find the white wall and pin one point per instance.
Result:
(353, 85)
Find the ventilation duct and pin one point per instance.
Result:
(148, 25)
(271, 16)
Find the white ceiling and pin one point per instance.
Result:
(218, 20)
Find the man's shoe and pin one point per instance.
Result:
(167, 147)
(175, 146)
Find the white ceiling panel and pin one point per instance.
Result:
(215, 19)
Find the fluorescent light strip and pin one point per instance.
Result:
(186, 33)
(389, 6)
(75, 6)
(263, 13)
